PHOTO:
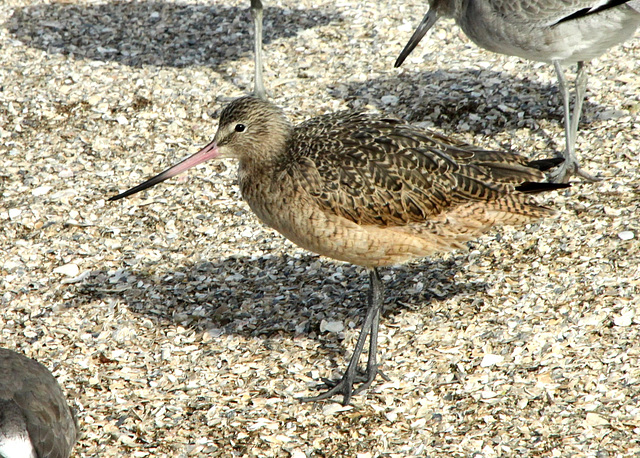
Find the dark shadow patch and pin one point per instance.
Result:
(155, 33)
(483, 101)
(268, 296)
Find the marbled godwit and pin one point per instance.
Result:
(35, 420)
(368, 190)
(561, 32)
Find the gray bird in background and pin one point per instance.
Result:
(561, 32)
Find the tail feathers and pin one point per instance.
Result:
(517, 209)
(528, 176)
(502, 172)
(531, 187)
(512, 168)
(545, 164)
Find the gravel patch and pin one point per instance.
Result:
(180, 326)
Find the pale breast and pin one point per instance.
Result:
(283, 204)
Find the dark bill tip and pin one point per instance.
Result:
(208, 152)
(141, 187)
(427, 22)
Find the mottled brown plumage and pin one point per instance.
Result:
(368, 189)
(33, 409)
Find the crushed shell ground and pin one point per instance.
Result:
(180, 326)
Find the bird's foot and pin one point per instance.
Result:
(345, 387)
(586, 175)
(570, 168)
(342, 386)
(368, 380)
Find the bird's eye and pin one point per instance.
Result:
(240, 127)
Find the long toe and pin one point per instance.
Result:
(342, 387)
(586, 175)
(562, 173)
(336, 387)
(368, 379)
(360, 378)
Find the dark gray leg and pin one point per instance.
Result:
(372, 363)
(256, 14)
(370, 326)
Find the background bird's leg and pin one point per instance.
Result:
(565, 169)
(581, 86)
(345, 385)
(256, 14)
(581, 90)
(570, 165)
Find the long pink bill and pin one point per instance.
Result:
(208, 152)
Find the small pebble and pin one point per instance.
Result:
(77, 279)
(333, 408)
(70, 270)
(491, 360)
(488, 394)
(593, 419)
(390, 99)
(625, 319)
(626, 235)
(41, 190)
(331, 326)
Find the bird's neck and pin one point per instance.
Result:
(270, 154)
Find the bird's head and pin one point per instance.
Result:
(251, 130)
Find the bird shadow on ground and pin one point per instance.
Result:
(478, 101)
(156, 33)
(271, 295)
